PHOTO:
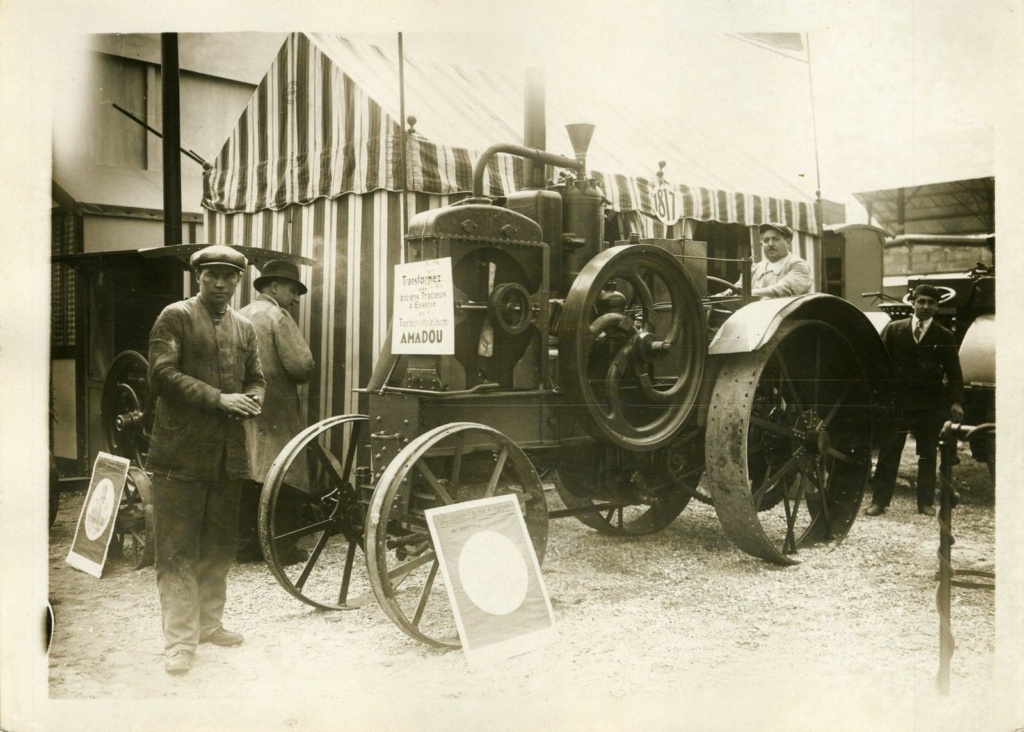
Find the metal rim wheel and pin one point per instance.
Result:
(310, 538)
(788, 443)
(125, 411)
(450, 464)
(663, 497)
(632, 355)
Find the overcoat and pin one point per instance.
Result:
(287, 362)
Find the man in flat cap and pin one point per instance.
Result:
(924, 356)
(780, 273)
(287, 362)
(204, 370)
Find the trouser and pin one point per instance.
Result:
(196, 525)
(925, 426)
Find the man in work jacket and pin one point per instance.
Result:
(781, 273)
(924, 355)
(287, 362)
(205, 373)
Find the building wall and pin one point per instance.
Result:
(917, 258)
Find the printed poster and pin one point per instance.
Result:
(99, 512)
(494, 583)
(424, 312)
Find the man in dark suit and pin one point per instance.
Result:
(924, 356)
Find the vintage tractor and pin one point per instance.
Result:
(605, 373)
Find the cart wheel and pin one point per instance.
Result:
(310, 517)
(788, 443)
(626, 502)
(133, 530)
(450, 464)
(126, 412)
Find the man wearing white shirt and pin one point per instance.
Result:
(781, 273)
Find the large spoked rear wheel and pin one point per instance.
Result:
(788, 443)
(311, 520)
(450, 464)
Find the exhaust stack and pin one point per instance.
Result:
(580, 135)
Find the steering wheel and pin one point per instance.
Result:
(721, 303)
(945, 295)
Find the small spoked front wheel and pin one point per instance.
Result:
(311, 519)
(450, 464)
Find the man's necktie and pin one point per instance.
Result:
(918, 332)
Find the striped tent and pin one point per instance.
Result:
(314, 168)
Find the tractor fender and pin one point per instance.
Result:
(978, 352)
(751, 327)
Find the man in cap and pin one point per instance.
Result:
(923, 354)
(781, 273)
(287, 362)
(204, 370)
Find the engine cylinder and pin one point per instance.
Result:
(582, 226)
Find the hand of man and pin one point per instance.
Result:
(957, 412)
(239, 406)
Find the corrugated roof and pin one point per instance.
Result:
(952, 207)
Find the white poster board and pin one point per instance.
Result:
(99, 513)
(490, 569)
(424, 308)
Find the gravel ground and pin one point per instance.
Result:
(678, 630)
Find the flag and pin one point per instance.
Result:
(790, 45)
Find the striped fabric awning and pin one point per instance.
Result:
(313, 129)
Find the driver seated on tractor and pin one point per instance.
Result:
(781, 273)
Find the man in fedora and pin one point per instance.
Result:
(924, 356)
(204, 370)
(287, 362)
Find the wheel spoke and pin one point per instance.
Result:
(499, 467)
(329, 463)
(307, 530)
(353, 443)
(822, 477)
(778, 429)
(457, 462)
(835, 407)
(425, 594)
(311, 562)
(404, 568)
(775, 477)
(346, 577)
(817, 370)
(427, 473)
(787, 379)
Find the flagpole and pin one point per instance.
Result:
(819, 208)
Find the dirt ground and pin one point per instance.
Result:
(679, 630)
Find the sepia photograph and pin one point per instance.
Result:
(441, 366)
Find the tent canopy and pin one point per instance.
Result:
(324, 122)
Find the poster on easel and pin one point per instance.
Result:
(497, 593)
(95, 526)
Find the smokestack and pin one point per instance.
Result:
(534, 126)
(579, 136)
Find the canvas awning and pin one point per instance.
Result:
(323, 123)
